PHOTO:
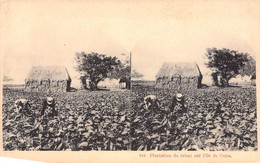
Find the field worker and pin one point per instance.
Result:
(47, 113)
(151, 102)
(178, 99)
(177, 109)
(23, 106)
(47, 120)
(48, 107)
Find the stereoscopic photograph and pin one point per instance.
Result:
(140, 77)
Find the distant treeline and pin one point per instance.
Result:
(13, 85)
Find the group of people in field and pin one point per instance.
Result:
(48, 106)
(47, 113)
(151, 102)
(48, 110)
(23, 106)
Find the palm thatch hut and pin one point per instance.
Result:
(53, 79)
(179, 75)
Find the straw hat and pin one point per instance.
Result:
(179, 96)
(49, 100)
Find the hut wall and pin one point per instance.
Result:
(58, 86)
(43, 86)
(178, 83)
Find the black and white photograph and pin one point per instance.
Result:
(121, 76)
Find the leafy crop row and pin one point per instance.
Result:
(85, 121)
(217, 119)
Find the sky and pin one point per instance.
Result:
(51, 32)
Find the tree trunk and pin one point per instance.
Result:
(93, 85)
(215, 78)
(83, 82)
(224, 82)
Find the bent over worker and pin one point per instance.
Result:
(151, 102)
(23, 106)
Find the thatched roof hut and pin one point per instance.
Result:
(53, 79)
(179, 75)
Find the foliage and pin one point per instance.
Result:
(226, 63)
(217, 120)
(123, 69)
(249, 68)
(86, 121)
(95, 67)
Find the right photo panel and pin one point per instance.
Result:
(197, 102)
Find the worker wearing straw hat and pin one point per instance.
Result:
(48, 112)
(178, 99)
(48, 107)
(47, 119)
(177, 110)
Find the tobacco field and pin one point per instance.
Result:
(85, 121)
(218, 119)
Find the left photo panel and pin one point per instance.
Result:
(54, 106)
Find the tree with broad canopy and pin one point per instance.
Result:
(225, 63)
(95, 67)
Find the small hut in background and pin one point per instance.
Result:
(124, 83)
(53, 79)
(253, 79)
(179, 75)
